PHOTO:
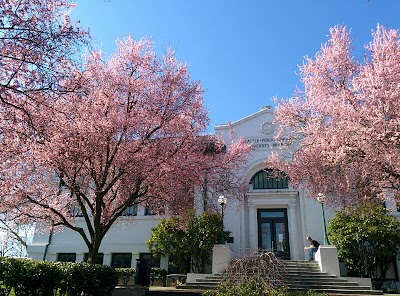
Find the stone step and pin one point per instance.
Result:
(290, 269)
(308, 272)
(301, 266)
(207, 281)
(214, 277)
(299, 261)
(299, 283)
(305, 264)
(344, 291)
(314, 283)
(317, 276)
(323, 289)
(174, 292)
(311, 281)
(317, 283)
(194, 286)
(322, 286)
(301, 276)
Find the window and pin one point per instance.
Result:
(264, 179)
(66, 257)
(75, 211)
(148, 211)
(99, 260)
(153, 261)
(121, 260)
(130, 211)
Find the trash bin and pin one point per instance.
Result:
(142, 277)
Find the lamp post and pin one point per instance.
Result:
(321, 199)
(222, 202)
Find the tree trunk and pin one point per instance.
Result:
(94, 252)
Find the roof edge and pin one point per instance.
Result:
(264, 109)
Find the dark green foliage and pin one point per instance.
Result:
(29, 277)
(248, 289)
(43, 278)
(187, 240)
(367, 238)
(91, 279)
(158, 273)
(125, 274)
(253, 288)
(170, 238)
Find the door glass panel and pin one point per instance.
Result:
(272, 214)
(280, 236)
(266, 236)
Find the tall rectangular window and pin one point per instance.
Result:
(148, 211)
(66, 257)
(122, 260)
(75, 211)
(130, 211)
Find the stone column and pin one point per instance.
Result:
(253, 235)
(294, 238)
(79, 257)
(107, 259)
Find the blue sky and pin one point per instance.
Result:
(243, 52)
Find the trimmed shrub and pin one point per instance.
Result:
(30, 277)
(158, 273)
(125, 274)
(90, 279)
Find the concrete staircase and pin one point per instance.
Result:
(210, 282)
(306, 275)
(302, 275)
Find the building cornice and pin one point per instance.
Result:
(265, 109)
(260, 193)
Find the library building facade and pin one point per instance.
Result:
(271, 215)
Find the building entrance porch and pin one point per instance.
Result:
(273, 234)
(274, 222)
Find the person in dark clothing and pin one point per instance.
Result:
(314, 245)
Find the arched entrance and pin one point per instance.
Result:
(272, 222)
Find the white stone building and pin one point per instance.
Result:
(271, 215)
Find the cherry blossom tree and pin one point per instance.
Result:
(38, 43)
(345, 123)
(38, 46)
(130, 133)
(14, 237)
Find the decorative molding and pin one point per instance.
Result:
(267, 128)
(268, 193)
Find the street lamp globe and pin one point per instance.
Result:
(321, 197)
(222, 200)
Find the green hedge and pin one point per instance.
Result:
(125, 274)
(31, 277)
(158, 273)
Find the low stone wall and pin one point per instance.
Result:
(222, 255)
(130, 291)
